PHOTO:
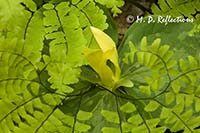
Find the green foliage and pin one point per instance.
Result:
(180, 40)
(167, 87)
(113, 4)
(179, 8)
(40, 57)
(187, 8)
(46, 85)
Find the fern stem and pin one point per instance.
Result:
(185, 73)
(76, 113)
(118, 112)
(21, 106)
(145, 123)
(42, 123)
(182, 121)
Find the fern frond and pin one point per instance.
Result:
(154, 62)
(15, 11)
(113, 4)
(68, 38)
(177, 8)
(40, 59)
(9, 9)
(170, 89)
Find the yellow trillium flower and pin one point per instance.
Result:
(104, 60)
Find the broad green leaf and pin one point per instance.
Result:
(184, 43)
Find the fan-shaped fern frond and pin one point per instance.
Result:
(40, 58)
(174, 8)
(169, 93)
(113, 4)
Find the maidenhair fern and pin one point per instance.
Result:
(179, 8)
(40, 56)
(113, 4)
(168, 91)
(187, 8)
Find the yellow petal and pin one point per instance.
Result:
(104, 41)
(98, 61)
